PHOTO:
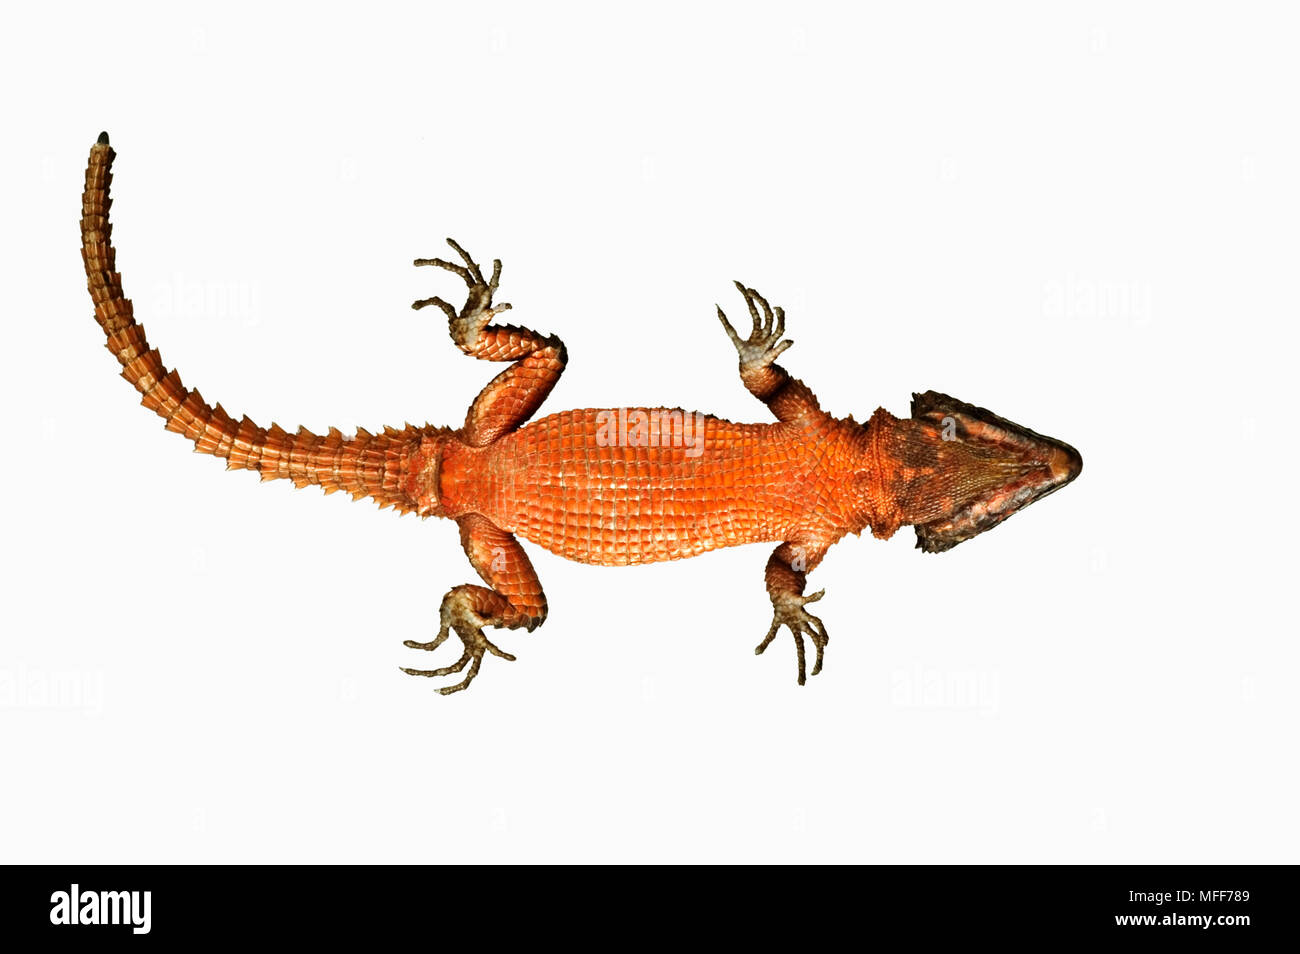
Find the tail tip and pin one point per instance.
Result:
(103, 139)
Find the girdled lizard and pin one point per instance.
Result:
(620, 486)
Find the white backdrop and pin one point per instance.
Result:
(1084, 220)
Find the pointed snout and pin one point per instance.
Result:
(1065, 464)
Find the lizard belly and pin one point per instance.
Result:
(590, 490)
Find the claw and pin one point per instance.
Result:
(432, 644)
(464, 683)
(764, 344)
(499, 653)
(476, 644)
(767, 640)
(749, 302)
(473, 266)
(479, 310)
(460, 270)
(457, 666)
(731, 332)
(435, 300)
(470, 273)
(800, 622)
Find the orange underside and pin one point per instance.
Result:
(556, 483)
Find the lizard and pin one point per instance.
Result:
(620, 486)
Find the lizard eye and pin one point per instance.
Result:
(996, 467)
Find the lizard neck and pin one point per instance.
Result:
(876, 486)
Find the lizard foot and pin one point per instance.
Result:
(478, 310)
(788, 610)
(764, 344)
(457, 615)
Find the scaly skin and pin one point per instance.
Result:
(616, 486)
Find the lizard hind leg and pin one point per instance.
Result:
(517, 392)
(514, 600)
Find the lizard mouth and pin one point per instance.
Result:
(1002, 468)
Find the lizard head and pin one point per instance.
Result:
(968, 469)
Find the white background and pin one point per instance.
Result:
(1085, 220)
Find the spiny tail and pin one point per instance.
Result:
(367, 465)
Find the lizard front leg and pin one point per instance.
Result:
(516, 393)
(515, 600)
(789, 398)
(786, 573)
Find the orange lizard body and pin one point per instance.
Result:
(617, 486)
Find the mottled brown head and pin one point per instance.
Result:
(963, 470)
